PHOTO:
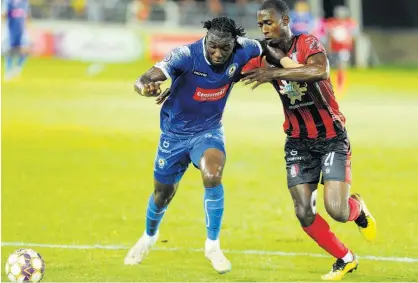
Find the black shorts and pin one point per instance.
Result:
(307, 158)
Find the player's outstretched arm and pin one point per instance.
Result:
(149, 83)
(316, 69)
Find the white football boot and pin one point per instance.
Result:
(215, 255)
(141, 249)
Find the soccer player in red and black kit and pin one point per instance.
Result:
(316, 136)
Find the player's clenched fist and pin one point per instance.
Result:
(148, 89)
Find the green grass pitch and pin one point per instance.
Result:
(77, 169)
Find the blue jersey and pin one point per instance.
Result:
(198, 92)
(16, 11)
(302, 23)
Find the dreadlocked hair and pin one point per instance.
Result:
(225, 25)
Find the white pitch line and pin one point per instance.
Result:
(243, 252)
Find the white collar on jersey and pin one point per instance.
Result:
(204, 51)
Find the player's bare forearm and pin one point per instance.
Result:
(153, 75)
(316, 69)
(306, 73)
(149, 83)
(287, 63)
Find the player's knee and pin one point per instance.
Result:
(304, 214)
(340, 216)
(211, 167)
(338, 211)
(211, 179)
(163, 193)
(212, 174)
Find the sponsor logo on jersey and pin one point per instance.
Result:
(166, 144)
(293, 90)
(202, 94)
(200, 74)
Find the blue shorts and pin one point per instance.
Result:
(175, 154)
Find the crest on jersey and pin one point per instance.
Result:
(294, 170)
(293, 90)
(231, 70)
(312, 42)
(161, 162)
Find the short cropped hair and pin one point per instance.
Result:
(279, 6)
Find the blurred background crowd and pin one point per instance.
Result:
(351, 30)
(363, 26)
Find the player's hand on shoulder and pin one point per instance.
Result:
(273, 55)
(152, 89)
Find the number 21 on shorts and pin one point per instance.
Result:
(329, 159)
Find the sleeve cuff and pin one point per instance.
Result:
(163, 69)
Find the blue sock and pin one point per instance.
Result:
(214, 209)
(22, 59)
(154, 216)
(9, 63)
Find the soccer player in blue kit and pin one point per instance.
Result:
(202, 74)
(15, 13)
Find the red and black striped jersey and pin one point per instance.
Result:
(311, 110)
